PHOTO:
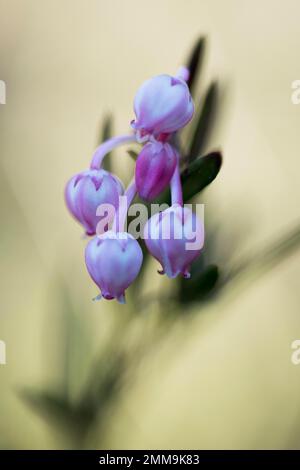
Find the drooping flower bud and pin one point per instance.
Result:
(86, 191)
(113, 261)
(162, 105)
(154, 169)
(175, 238)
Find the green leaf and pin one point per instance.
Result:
(105, 134)
(106, 129)
(201, 283)
(57, 409)
(195, 62)
(132, 154)
(258, 263)
(204, 123)
(200, 174)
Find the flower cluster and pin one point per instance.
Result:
(162, 106)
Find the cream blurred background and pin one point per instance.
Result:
(224, 378)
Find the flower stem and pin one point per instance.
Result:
(176, 188)
(121, 212)
(107, 146)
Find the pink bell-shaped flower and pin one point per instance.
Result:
(162, 105)
(154, 169)
(86, 191)
(113, 260)
(175, 238)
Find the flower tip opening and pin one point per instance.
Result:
(84, 236)
(97, 298)
(186, 274)
(121, 299)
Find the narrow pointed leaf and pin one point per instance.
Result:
(266, 258)
(105, 134)
(204, 123)
(195, 62)
(56, 409)
(132, 154)
(200, 174)
(106, 130)
(200, 285)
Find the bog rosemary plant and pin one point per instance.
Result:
(171, 167)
